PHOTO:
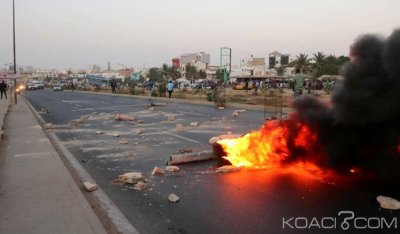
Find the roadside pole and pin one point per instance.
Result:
(15, 59)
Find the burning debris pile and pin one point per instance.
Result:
(361, 129)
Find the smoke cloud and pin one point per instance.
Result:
(362, 128)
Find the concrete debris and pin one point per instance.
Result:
(179, 127)
(157, 171)
(85, 117)
(48, 126)
(173, 198)
(115, 134)
(99, 132)
(76, 122)
(150, 108)
(160, 113)
(194, 124)
(190, 157)
(221, 108)
(227, 168)
(89, 186)
(240, 111)
(171, 118)
(106, 118)
(388, 203)
(172, 168)
(139, 121)
(123, 141)
(139, 131)
(122, 117)
(44, 111)
(131, 177)
(140, 186)
(213, 140)
(235, 114)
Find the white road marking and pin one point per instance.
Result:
(181, 137)
(32, 154)
(108, 107)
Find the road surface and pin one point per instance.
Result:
(242, 202)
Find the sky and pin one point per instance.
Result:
(144, 33)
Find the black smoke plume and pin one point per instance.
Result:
(362, 128)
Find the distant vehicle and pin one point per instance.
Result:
(32, 87)
(240, 86)
(57, 88)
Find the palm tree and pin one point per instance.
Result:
(303, 62)
(191, 72)
(319, 59)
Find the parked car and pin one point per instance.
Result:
(57, 88)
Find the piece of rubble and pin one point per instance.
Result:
(157, 171)
(173, 198)
(240, 111)
(44, 110)
(131, 177)
(221, 108)
(89, 186)
(85, 117)
(235, 114)
(172, 168)
(123, 141)
(171, 118)
(99, 132)
(115, 134)
(213, 140)
(139, 121)
(194, 124)
(177, 159)
(150, 108)
(76, 122)
(48, 126)
(185, 150)
(106, 118)
(179, 127)
(139, 131)
(388, 203)
(140, 185)
(227, 168)
(122, 117)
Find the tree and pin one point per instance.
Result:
(303, 62)
(155, 75)
(191, 72)
(202, 74)
(319, 61)
(280, 70)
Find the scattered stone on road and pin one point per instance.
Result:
(139, 131)
(114, 134)
(173, 198)
(172, 168)
(99, 132)
(194, 124)
(221, 108)
(139, 121)
(150, 108)
(388, 203)
(157, 171)
(131, 177)
(240, 111)
(235, 114)
(123, 141)
(123, 117)
(227, 168)
(89, 186)
(49, 126)
(179, 127)
(213, 140)
(171, 117)
(140, 185)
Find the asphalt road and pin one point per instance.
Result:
(240, 202)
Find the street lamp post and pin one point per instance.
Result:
(15, 59)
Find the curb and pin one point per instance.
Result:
(3, 115)
(119, 220)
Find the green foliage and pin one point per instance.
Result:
(155, 74)
(303, 62)
(191, 72)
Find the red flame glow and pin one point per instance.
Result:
(269, 147)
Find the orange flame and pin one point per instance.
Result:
(268, 147)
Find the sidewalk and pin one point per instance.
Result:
(37, 193)
(4, 107)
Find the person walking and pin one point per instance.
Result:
(3, 89)
(170, 88)
(298, 83)
(113, 85)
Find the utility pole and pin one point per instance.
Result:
(15, 58)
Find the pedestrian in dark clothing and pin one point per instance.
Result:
(113, 85)
(246, 86)
(3, 89)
